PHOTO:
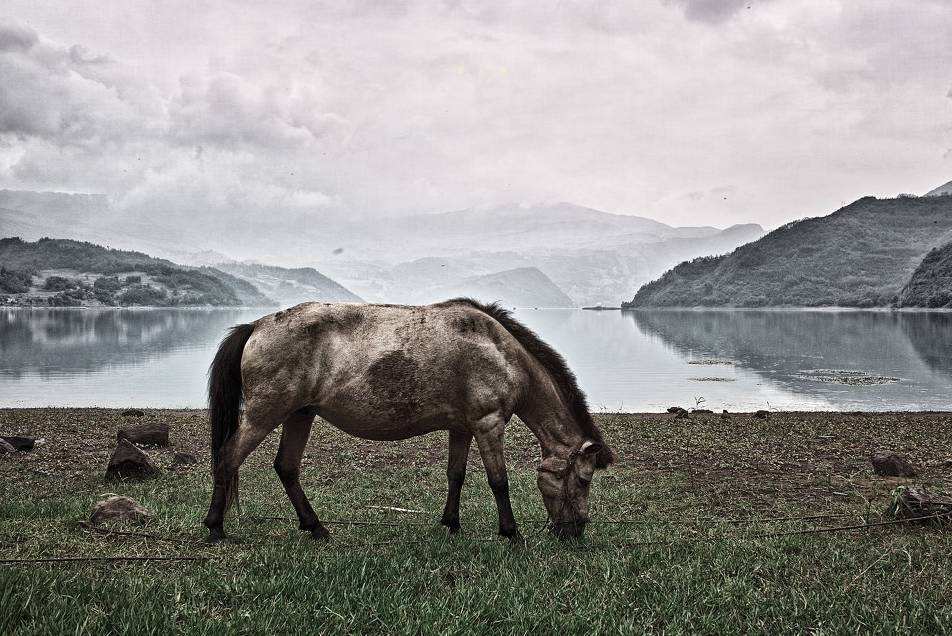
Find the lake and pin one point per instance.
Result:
(631, 361)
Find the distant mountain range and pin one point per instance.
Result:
(592, 256)
(871, 253)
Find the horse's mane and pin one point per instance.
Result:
(555, 365)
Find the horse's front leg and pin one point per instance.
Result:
(455, 474)
(489, 433)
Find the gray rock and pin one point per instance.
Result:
(149, 433)
(888, 464)
(130, 462)
(183, 460)
(121, 509)
(6, 447)
(19, 442)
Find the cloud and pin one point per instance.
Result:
(712, 11)
(371, 109)
(16, 37)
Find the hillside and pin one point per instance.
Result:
(942, 190)
(860, 256)
(931, 284)
(521, 287)
(290, 286)
(60, 272)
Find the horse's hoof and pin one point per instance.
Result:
(215, 535)
(452, 525)
(320, 533)
(515, 538)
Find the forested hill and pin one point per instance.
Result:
(931, 283)
(61, 272)
(860, 256)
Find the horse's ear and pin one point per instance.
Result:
(589, 447)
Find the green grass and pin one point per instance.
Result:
(705, 576)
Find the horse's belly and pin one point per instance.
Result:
(378, 426)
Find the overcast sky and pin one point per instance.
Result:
(688, 111)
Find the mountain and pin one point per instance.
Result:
(291, 286)
(942, 190)
(860, 256)
(593, 256)
(520, 287)
(62, 272)
(931, 284)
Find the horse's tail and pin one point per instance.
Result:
(224, 389)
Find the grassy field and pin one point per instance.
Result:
(677, 543)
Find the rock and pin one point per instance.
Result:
(6, 447)
(892, 465)
(702, 411)
(130, 462)
(915, 502)
(677, 410)
(762, 414)
(119, 508)
(183, 459)
(133, 413)
(725, 414)
(149, 433)
(19, 443)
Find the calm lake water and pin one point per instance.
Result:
(642, 361)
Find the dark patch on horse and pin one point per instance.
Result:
(395, 382)
(555, 364)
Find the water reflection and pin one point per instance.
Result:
(57, 341)
(625, 361)
(783, 346)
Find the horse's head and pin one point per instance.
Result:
(565, 484)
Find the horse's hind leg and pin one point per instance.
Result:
(456, 474)
(252, 429)
(287, 464)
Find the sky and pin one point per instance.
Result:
(691, 112)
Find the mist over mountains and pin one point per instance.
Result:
(584, 255)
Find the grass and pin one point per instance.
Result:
(680, 481)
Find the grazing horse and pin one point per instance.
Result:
(390, 372)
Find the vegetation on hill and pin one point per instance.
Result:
(931, 284)
(860, 256)
(111, 277)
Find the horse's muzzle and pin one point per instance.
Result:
(569, 529)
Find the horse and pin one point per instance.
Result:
(393, 372)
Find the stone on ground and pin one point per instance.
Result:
(130, 462)
(121, 509)
(19, 442)
(133, 413)
(888, 464)
(918, 504)
(6, 447)
(150, 433)
(183, 459)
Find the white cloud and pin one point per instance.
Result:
(229, 108)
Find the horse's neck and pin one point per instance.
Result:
(549, 418)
